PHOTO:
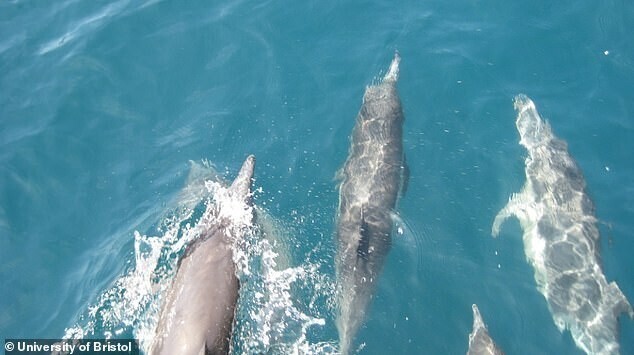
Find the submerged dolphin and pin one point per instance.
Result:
(370, 183)
(480, 342)
(198, 313)
(561, 240)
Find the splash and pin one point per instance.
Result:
(131, 305)
(271, 320)
(279, 306)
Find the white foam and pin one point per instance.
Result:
(272, 315)
(272, 318)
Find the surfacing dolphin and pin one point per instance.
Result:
(561, 240)
(480, 342)
(370, 183)
(197, 315)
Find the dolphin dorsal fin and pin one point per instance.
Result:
(363, 247)
(241, 186)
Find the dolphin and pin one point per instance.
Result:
(480, 342)
(561, 239)
(197, 316)
(370, 180)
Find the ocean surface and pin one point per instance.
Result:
(114, 114)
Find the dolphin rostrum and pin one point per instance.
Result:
(561, 239)
(370, 181)
(480, 342)
(198, 312)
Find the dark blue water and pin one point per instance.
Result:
(103, 105)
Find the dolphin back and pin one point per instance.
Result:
(370, 181)
(198, 311)
(561, 239)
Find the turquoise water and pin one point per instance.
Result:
(103, 105)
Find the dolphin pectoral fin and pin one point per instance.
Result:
(404, 176)
(617, 302)
(397, 221)
(399, 226)
(497, 222)
(515, 202)
(339, 175)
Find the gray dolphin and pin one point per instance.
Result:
(197, 315)
(370, 179)
(480, 342)
(561, 240)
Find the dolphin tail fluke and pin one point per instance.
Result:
(241, 186)
(347, 324)
(345, 343)
(344, 347)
